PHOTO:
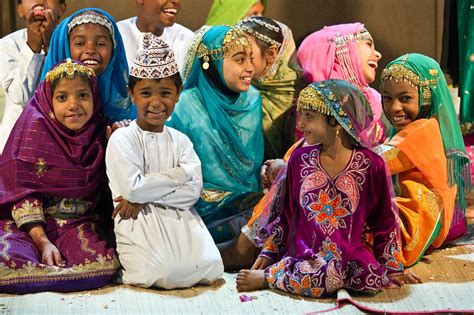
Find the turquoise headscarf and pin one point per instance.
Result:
(112, 82)
(435, 101)
(225, 127)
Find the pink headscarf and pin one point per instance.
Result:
(332, 53)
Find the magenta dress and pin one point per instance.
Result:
(54, 176)
(317, 239)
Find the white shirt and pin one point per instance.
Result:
(20, 72)
(168, 245)
(178, 37)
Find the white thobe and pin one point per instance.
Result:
(20, 73)
(178, 37)
(168, 245)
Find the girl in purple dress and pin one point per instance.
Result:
(51, 172)
(333, 188)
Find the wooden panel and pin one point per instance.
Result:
(398, 26)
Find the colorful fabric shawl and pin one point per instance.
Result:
(435, 100)
(228, 12)
(112, 82)
(224, 126)
(279, 87)
(332, 53)
(43, 157)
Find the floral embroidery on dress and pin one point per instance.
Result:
(327, 210)
(276, 274)
(304, 287)
(41, 167)
(391, 255)
(329, 251)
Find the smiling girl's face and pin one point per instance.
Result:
(400, 103)
(92, 45)
(238, 70)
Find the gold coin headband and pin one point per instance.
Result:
(233, 39)
(68, 69)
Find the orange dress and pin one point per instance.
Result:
(424, 199)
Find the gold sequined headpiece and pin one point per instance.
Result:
(311, 99)
(69, 70)
(399, 72)
(233, 39)
(320, 98)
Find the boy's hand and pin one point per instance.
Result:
(116, 125)
(397, 281)
(47, 28)
(34, 37)
(127, 209)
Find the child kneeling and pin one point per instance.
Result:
(155, 177)
(333, 188)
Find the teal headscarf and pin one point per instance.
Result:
(225, 127)
(435, 101)
(112, 82)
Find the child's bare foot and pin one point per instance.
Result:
(249, 280)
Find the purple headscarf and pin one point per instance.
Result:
(43, 157)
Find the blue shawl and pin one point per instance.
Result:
(112, 82)
(225, 127)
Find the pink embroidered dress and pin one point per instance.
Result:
(315, 232)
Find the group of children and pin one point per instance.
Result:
(355, 199)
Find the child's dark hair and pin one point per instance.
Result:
(257, 25)
(176, 78)
(83, 76)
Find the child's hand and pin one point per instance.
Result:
(47, 28)
(397, 281)
(34, 37)
(116, 125)
(261, 263)
(127, 209)
(270, 170)
(50, 255)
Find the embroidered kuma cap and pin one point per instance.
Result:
(155, 60)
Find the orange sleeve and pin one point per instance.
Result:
(397, 161)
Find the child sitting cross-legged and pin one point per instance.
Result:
(334, 186)
(155, 178)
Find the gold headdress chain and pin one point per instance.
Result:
(233, 39)
(68, 69)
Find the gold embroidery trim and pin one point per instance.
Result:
(29, 212)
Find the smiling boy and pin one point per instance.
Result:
(156, 17)
(155, 178)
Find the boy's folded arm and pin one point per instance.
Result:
(127, 179)
(187, 195)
